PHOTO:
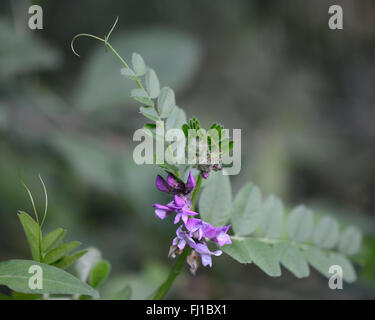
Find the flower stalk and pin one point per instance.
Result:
(176, 269)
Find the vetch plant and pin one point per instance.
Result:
(250, 227)
(50, 257)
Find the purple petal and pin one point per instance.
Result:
(177, 218)
(204, 175)
(190, 184)
(161, 184)
(179, 202)
(174, 183)
(206, 260)
(162, 214)
(193, 224)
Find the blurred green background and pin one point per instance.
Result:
(302, 94)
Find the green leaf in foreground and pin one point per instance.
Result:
(264, 257)
(31, 229)
(149, 112)
(99, 273)
(60, 251)
(52, 239)
(139, 65)
(246, 210)
(350, 240)
(299, 224)
(216, 200)
(123, 294)
(166, 102)
(152, 84)
(272, 217)
(15, 275)
(326, 233)
(292, 259)
(238, 251)
(68, 260)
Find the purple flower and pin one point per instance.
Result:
(174, 186)
(180, 204)
(163, 211)
(182, 208)
(218, 235)
(196, 228)
(179, 242)
(206, 254)
(205, 175)
(199, 229)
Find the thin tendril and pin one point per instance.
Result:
(110, 31)
(30, 196)
(106, 43)
(46, 201)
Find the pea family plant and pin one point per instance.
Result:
(250, 228)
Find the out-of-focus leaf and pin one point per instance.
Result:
(174, 55)
(166, 102)
(292, 259)
(246, 210)
(15, 275)
(31, 229)
(152, 83)
(139, 65)
(348, 270)
(149, 112)
(238, 251)
(68, 260)
(85, 263)
(319, 259)
(350, 240)
(99, 273)
(216, 200)
(272, 217)
(53, 238)
(23, 52)
(299, 224)
(176, 119)
(141, 96)
(129, 73)
(263, 256)
(123, 294)
(60, 251)
(326, 233)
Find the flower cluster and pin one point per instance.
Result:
(193, 232)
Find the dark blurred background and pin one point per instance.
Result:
(302, 94)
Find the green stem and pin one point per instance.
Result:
(107, 44)
(176, 269)
(195, 193)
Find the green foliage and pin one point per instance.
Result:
(139, 65)
(350, 240)
(216, 200)
(60, 252)
(300, 224)
(31, 229)
(166, 102)
(99, 273)
(246, 214)
(123, 294)
(152, 83)
(15, 275)
(294, 242)
(175, 55)
(176, 120)
(53, 238)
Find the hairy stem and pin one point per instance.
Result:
(176, 269)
